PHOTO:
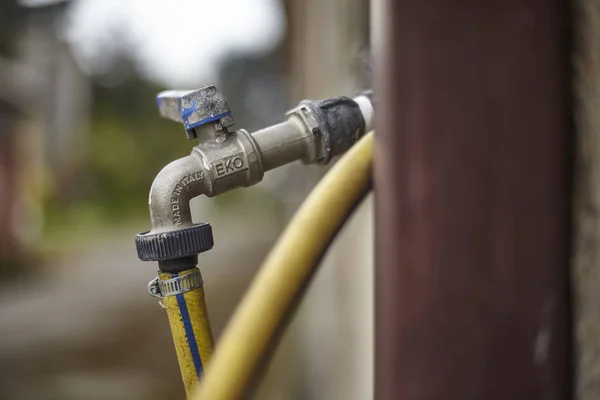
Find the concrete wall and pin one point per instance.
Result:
(586, 257)
(330, 340)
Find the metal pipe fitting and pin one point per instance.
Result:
(282, 143)
(173, 188)
(225, 159)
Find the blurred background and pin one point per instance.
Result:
(80, 143)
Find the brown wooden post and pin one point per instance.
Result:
(472, 207)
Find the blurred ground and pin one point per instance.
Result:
(89, 329)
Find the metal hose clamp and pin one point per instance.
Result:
(174, 286)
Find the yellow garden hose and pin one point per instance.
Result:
(255, 326)
(190, 329)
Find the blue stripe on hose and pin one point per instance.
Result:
(189, 331)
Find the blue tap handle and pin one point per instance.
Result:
(194, 108)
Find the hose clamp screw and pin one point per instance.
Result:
(153, 288)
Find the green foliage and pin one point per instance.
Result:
(128, 144)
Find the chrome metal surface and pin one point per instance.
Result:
(180, 284)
